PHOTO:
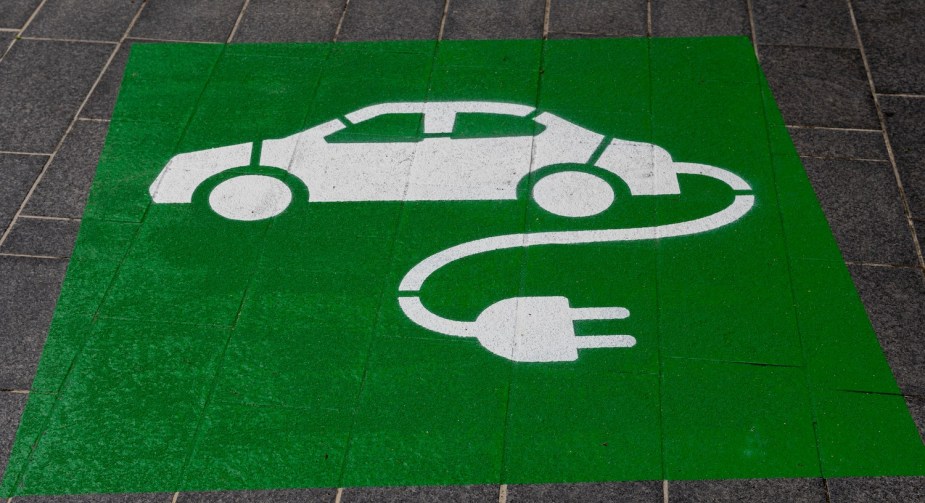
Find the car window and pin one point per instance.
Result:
(408, 128)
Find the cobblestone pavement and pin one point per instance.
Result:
(849, 76)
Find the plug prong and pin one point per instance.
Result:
(599, 313)
(604, 341)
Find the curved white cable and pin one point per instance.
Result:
(415, 278)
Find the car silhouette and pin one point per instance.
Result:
(443, 168)
(434, 168)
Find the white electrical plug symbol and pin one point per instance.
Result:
(526, 329)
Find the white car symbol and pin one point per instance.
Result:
(431, 169)
(521, 329)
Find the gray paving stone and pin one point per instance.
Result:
(194, 20)
(289, 21)
(27, 298)
(820, 86)
(894, 35)
(895, 302)
(62, 192)
(877, 489)
(103, 100)
(50, 238)
(99, 498)
(392, 20)
(492, 19)
(916, 406)
(839, 144)
(597, 18)
(861, 202)
(15, 13)
(17, 174)
(747, 490)
(819, 23)
(920, 232)
(277, 496)
(79, 19)
(5, 38)
(425, 494)
(11, 407)
(699, 18)
(623, 492)
(42, 84)
(904, 119)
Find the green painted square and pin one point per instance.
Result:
(128, 411)
(585, 422)
(191, 351)
(449, 426)
(862, 432)
(733, 420)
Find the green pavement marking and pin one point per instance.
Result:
(409, 263)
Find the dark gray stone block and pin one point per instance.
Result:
(820, 86)
(425, 494)
(28, 294)
(195, 20)
(392, 20)
(62, 191)
(895, 302)
(289, 21)
(839, 144)
(99, 498)
(15, 13)
(11, 407)
(747, 490)
(879, 489)
(699, 18)
(103, 100)
(861, 202)
(79, 19)
(277, 496)
(904, 119)
(17, 174)
(894, 35)
(920, 232)
(916, 406)
(42, 84)
(6, 37)
(818, 23)
(491, 19)
(597, 18)
(50, 238)
(624, 492)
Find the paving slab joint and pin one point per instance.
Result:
(886, 138)
(340, 22)
(70, 127)
(237, 23)
(70, 40)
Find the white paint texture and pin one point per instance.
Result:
(525, 329)
(573, 194)
(250, 197)
(184, 172)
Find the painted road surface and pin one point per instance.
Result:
(411, 263)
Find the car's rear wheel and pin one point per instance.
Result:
(573, 194)
(250, 197)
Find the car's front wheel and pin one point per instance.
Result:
(250, 197)
(573, 194)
